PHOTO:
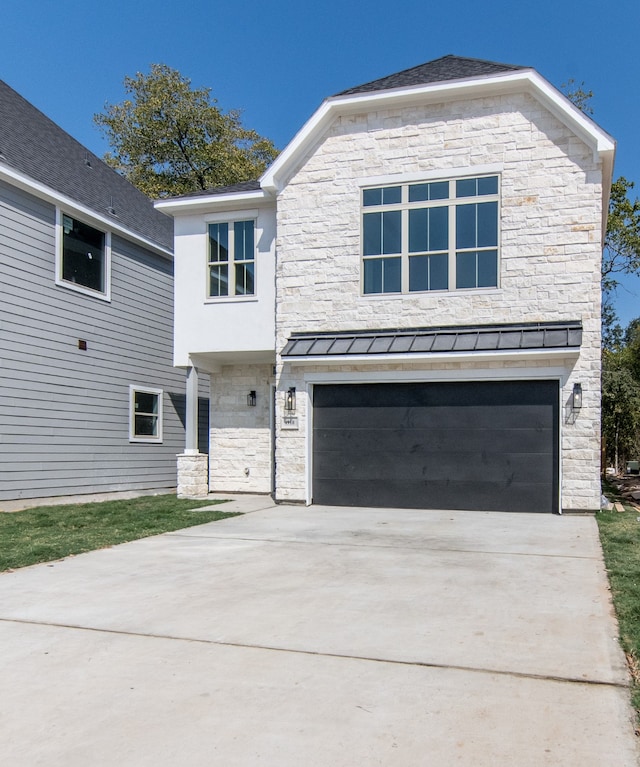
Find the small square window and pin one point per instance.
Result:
(145, 414)
(82, 257)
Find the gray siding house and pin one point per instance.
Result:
(89, 398)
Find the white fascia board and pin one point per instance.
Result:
(233, 200)
(527, 80)
(569, 114)
(389, 359)
(60, 200)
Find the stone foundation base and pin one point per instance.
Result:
(193, 471)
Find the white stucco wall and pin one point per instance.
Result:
(240, 324)
(550, 229)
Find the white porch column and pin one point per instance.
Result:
(193, 466)
(191, 420)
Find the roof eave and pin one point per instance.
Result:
(178, 205)
(274, 179)
(569, 352)
(44, 192)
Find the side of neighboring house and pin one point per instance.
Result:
(437, 299)
(89, 398)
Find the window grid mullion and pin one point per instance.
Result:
(404, 247)
(452, 245)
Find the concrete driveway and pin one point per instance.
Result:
(325, 637)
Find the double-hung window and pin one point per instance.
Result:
(145, 414)
(231, 264)
(82, 256)
(437, 235)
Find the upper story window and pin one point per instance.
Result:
(231, 265)
(438, 235)
(83, 257)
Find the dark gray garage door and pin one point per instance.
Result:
(486, 446)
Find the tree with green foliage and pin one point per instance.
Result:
(620, 410)
(169, 139)
(621, 350)
(578, 95)
(622, 240)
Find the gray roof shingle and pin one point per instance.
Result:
(35, 146)
(448, 67)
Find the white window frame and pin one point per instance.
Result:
(404, 206)
(133, 388)
(242, 217)
(104, 295)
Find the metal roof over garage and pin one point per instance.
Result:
(480, 338)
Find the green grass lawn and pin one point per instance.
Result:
(620, 536)
(52, 532)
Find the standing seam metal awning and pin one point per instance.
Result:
(526, 336)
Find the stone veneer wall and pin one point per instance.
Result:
(240, 436)
(550, 251)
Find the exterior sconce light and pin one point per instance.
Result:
(251, 399)
(290, 400)
(576, 402)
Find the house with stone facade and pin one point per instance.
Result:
(404, 310)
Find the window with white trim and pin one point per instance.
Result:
(231, 261)
(145, 414)
(83, 256)
(436, 235)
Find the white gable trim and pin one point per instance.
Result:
(526, 80)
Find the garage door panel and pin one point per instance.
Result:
(439, 494)
(433, 417)
(473, 467)
(466, 445)
(409, 441)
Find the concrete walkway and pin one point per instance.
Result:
(320, 637)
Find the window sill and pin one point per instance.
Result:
(231, 300)
(421, 293)
(146, 441)
(85, 291)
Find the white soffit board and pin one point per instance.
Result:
(212, 202)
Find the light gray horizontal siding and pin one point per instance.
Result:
(64, 413)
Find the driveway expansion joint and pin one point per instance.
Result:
(380, 546)
(319, 654)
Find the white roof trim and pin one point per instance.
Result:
(408, 358)
(201, 202)
(60, 200)
(529, 80)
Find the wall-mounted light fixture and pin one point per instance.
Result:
(251, 399)
(576, 402)
(290, 400)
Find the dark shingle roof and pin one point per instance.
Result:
(520, 337)
(34, 145)
(439, 70)
(241, 186)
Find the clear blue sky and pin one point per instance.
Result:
(278, 60)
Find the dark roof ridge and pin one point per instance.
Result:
(443, 69)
